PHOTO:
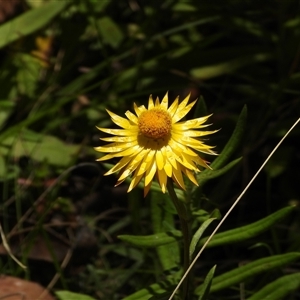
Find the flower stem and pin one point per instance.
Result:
(184, 222)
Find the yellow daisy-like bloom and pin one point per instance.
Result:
(154, 142)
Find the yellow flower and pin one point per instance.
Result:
(154, 142)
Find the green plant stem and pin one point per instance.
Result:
(184, 222)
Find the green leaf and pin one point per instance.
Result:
(292, 23)
(136, 255)
(227, 237)
(66, 295)
(3, 168)
(249, 231)
(183, 27)
(205, 287)
(230, 236)
(156, 289)
(196, 237)
(254, 28)
(169, 255)
(207, 174)
(110, 32)
(206, 72)
(40, 148)
(6, 108)
(202, 215)
(279, 288)
(28, 73)
(233, 142)
(30, 21)
(250, 270)
(153, 240)
(185, 7)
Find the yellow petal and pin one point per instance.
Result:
(129, 151)
(124, 175)
(106, 157)
(178, 176)
(205, 149)
(195, 133)
(183, 103)
(140, 156)
(147, 189)
(119, 182)
(150, 103)
(191, 176)
(113, 147)
(157, 104)
(187, 141)
(147, 161)
(167, 165)
(181, 113)
(121, 164)
(189, 152)
(139, 109)
(150, 173)
(188, 162)
(202, 163)
(122, 122)
(128, 170)
(194, 123)
(133, 165)
(160, 160)
(119, 139)
(134, 182)
(132, 117)
(120, 132)
(172, 156)
(162, 179)
(168, 169)
(164, 102)
(172, 109)
(175, 146)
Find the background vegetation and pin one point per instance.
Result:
(63, 62)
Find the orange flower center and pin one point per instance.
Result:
(155, 123)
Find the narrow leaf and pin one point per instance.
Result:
(196, 237)
(30, 21)
(249, 231)
(250, 270)
(207, 174)
(156, 289)
(66, 295)
(153, 240)
(227, 237)
(279, 288)
(233, 142)
(207, 284)
(227, 67)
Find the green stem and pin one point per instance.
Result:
(184, 222)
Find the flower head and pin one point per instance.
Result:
(152, 142)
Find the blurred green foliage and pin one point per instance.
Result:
(63, 62)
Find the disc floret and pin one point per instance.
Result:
(155, 123)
